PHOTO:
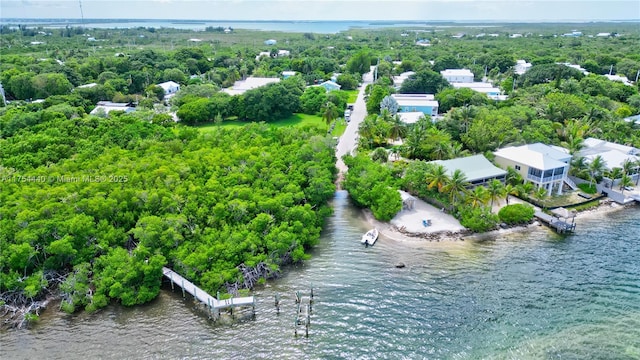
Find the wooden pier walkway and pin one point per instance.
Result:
(555, 222)
(212, 303)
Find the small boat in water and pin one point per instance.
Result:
(370, 237)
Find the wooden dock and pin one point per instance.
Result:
(214, 305)
(555, 222)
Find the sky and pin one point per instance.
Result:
(422, 10)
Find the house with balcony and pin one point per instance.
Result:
(545, 166)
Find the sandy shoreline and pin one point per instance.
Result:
(407, 225)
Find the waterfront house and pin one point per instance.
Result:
(424, 103)
(169, 87)
(613, 155)
(477, 169)
(457, 75)
(545, 166)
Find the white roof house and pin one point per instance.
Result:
(108, 106)
(595, 145)
(543, 165)
(330, 85)
(477, 169)
(263, 54)
(577, 67)
(398, 80)
(488, 89)
(457, 75)
(288, 73)
(90, 85)
(410, 117)
(240, 86)
(622, 79)
(614, 155)
(521, 67)
(169, 87)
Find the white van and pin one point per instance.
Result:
(347, 115)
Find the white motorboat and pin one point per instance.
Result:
(370, 237)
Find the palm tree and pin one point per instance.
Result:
(496, 190)
(524, 189)
(509, 190)
(540, 194)
(625, 181)
(398, 128)
(628, 166)
(615, 173)
(578, 166)
(437, 177)
(329, 112)
(456, 150)
(440, 151)
(456, 186)
(596, 167)
(465, 116)
(479, 196)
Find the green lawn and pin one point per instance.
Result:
(353, 95)
(294, 120)
(338, 130)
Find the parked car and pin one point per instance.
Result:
(350, 107)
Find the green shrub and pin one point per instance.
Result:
(588, 188)
(516, 214)
(479, 219)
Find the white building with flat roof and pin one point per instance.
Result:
(240, 86)
(457, 75)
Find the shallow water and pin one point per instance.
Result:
(518, 296)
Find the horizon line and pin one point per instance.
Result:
(559, 21)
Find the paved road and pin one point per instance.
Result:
(349, 140)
